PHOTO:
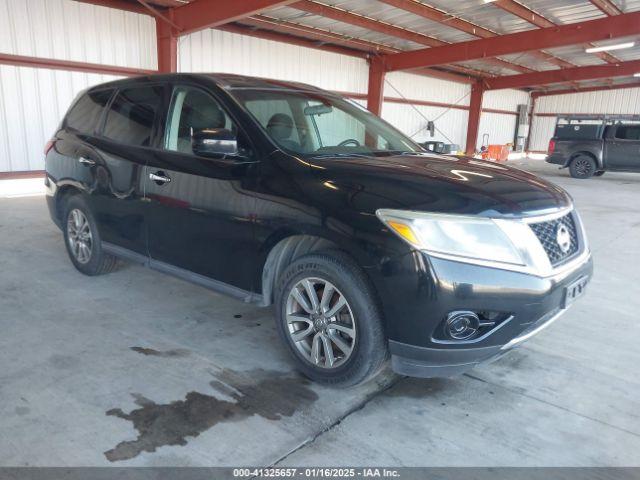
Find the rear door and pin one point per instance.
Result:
(201, 209)
(120, 152)
(622, 147)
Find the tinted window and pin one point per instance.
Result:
(191, 110)
(130, 118)
(84, 115)
(628, 132)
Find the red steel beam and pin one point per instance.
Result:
(567, 75)
(291, 40)
(619, 86)
(436, 15)
(68, 65)
(550, 37)
(316, 38)
(167, 45)
(607, 7)
(361, 21)
(375, 90)
(533, 18)
(475, 109)
(201, 14)
(119, 5)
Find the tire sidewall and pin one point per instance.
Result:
(93, 265)
(369, 342)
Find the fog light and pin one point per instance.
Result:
(462, 325)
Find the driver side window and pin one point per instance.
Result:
(192, 110)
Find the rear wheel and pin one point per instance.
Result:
(82, 239)
(329, 317)
(582, 166)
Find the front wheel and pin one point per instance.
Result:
(582, 166)
(329, 317)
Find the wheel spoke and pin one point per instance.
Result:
(344, 328)
(315, 349)
(297, 294)
(340, 343)
(327, 294)
(302, 334)
(296, 317)
(311, 293)
(341, 302)
(329, 359)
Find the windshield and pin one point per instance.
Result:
(312, 124)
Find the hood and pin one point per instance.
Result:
(438, 183)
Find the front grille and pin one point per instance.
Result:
(547, 233)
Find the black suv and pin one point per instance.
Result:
(281, 193)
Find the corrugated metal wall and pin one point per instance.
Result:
(623, 101)
(218, 51)
(451, 123)
(32, 101)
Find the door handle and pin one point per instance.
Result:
(86, 161)
(159, 178)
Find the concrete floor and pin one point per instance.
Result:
(138, 368)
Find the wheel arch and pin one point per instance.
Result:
(283, 249)
(62, 194)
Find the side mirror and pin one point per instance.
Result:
(214, 142)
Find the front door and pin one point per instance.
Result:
(200, 209)
(623, 148)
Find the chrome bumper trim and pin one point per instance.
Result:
(526, 336)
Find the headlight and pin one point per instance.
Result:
(508, 244)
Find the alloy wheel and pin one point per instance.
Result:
(79, 236)
(320, 323)
(583, 167)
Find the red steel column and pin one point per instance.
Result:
(375, 93)
(167, 44)
(475, 109)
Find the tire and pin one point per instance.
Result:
(599, 173)
(361, 315)
(582, 166)
(79, 228)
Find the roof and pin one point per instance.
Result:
(223, 80)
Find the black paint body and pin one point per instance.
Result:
(220, 218)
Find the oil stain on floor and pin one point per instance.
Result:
(271, 395)
(157, 353)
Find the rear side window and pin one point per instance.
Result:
(85, 113)
(628, 132)
(131, 115)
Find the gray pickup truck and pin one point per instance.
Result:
(590, 145)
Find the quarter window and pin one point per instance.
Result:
(131, 116)
(85, 114)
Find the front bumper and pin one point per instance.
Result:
(419, 300)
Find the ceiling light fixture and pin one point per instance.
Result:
(606, 48)
(636, 74)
